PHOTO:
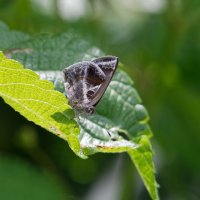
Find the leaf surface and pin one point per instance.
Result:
(120, 123)
(37, 101)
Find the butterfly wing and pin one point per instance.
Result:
(82, 81)
(108, 65)
(86, 82)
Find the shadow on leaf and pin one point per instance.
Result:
(64, 117)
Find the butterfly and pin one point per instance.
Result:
(87, 81)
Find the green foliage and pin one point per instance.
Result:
(119, 112)
(15, 182)
(142, 158)
(160, 47)
(37, 101)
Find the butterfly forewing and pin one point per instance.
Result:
(108, 65)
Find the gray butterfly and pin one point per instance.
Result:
(86, 82)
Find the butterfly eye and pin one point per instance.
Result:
(90, 93)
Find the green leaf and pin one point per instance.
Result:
(10, 39)
(120, 121)
(37, 101)
(142, 157)
(118, 112)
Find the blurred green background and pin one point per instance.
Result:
(159, 43)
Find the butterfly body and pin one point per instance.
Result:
(86, 82)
